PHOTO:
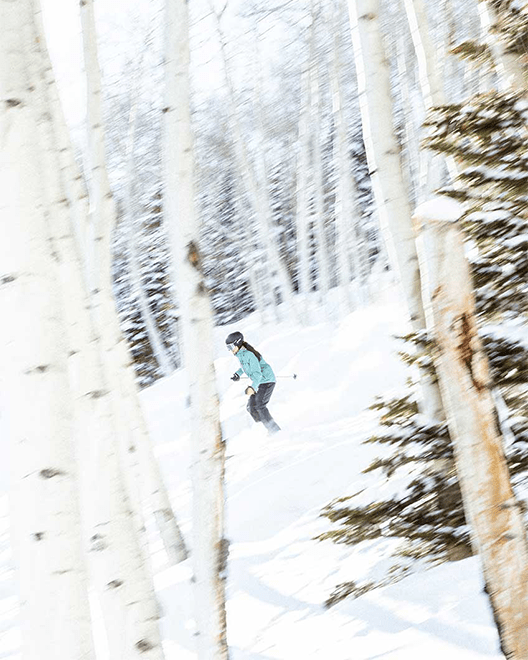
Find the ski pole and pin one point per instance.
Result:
(294, 376)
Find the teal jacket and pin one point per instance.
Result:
(259, 372)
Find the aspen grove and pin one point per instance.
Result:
(339, 186)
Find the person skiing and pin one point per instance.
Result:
(262, 379)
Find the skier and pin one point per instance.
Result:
(262, 380)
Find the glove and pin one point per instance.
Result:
(250, 390)
(235, 376)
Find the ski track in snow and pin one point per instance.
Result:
(279, 576)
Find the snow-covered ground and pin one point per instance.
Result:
(279, 576)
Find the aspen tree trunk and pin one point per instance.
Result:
(304, 277)
(453, 68)
(430, 84)
(323, 266)
(258, 195)
(140, 451)
(494, 514)
(54, 603)
(210, 548)
(120, 373)
(351, 258)
(261, 176)
(510, 69)
(383, 155)
(412, 157)
(128, 597)
(155, 340)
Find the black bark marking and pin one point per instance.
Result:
(496, 419)
(98, 543)
(436, 292)
(167, 514)
(143, 646)
(13, 103)
(115, 584)
(97, 394)
(39, 536)
(8, 279)
(50, 473)
(40, 369)
(223, 555)
(466, 352)
(193, 256)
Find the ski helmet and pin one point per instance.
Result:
(234, 339)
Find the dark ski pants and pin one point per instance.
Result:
(257, 407)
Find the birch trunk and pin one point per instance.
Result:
(412, 157)
(323, 267)
(208, 447)
(383, 155)
(304, 277)
(351, 258)
(258, 196)
(131, 239)
(510, 70)
(128, 599)
(494, 515)
(431, 87)
(120, 374)
(55, 610)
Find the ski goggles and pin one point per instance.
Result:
(230, 347)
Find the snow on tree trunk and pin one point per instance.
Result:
(494, 514)
(54, 603)
(510, 69)
(210, 548)
(383, 155)
(258, 195)
(120, 372)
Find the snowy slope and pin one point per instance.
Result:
(278, 575)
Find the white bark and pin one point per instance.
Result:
(430, 85)
(154, 336)
(383, 154)
(430, 79)
(412, 157)
(258, 195)
(323, 266)
(34, 361)
(119, 572)
(492, 510)
(383, 151)
(304, 277)
(136, 445)
(208, 446)
(510, 69)
(351, 258)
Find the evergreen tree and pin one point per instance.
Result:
(488, 135)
